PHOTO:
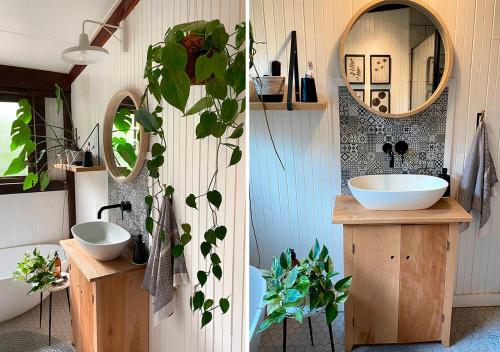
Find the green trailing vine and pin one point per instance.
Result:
(196, 53)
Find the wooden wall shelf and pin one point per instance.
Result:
(321, 105)
(75, 168)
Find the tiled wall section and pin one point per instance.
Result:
(134, 191)
(362, 135)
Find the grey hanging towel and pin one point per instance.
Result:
(164, 272)
(478, 179)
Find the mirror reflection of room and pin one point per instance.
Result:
(390, 58)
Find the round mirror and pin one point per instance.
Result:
(396, 57)
(125, 142)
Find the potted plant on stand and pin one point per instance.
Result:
(300, 290)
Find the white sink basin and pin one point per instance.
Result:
(102, 240)
(397, 192)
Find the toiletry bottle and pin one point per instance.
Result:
(308, 87)
(57, 266)
(140, 252)
(444, 175)
(295, 261)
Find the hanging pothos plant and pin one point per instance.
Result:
(197, 53)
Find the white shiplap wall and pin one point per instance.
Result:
(292, 208)
(187, 168)
(26, 218)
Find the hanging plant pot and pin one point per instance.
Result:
(193, 44)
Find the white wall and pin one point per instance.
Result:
(292, 208)
(32, 218)
(187, 168)
(420, 71)
(385, 33)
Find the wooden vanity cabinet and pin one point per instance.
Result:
(403, 267)
(109, 309)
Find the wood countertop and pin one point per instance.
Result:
(446, 210)
(94, 269)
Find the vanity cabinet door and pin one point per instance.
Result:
(74, 290)
(87, 343)
(375, 286)
(422, 280)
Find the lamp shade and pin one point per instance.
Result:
(84, 53)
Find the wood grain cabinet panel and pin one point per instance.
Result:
(421, 282)
(375, 286)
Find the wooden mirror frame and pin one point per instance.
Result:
(445, 36)
(113, 105)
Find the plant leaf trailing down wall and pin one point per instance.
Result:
(196, 53)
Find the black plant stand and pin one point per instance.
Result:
(50, 290)
(330, 331)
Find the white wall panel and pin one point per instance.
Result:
(291, 208)
(188, 167)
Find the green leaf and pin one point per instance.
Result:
(174, 56)
(331, 312)
(229, 110)
(218, 129)
(149, 224)
(292, 295)
(219, 62)
(343, 284)
(202, 104)
(235, 156)
(30, 181)
(169, 191)
(123, 120)
(202, 277)
(205, 248)
(217, 88)
(215, 198)
(208, 304)
(286, 259)
(215, 259)
(210, 237)
(44, 180)
(220, 232)
(237, 133)
(157, 149)
(220, 37)
(24, 113)
(162, 235)
(16, 166)
(291, 277)
(314, 253)
(323, 253)
(177, 250)
(186, 228)
(208, 120)
(275, 317)
(342, 298)
(20, 134)
(149, 203)
(240, 35)
(236, 73)
(198, 300)
(206, 318)
(224, 305)
(127, 152)
(217, 270)
(146, 120)
(203, 68)
(175, 86)
(59, 100)
(298, 315)
(191, 201)
(186, 238)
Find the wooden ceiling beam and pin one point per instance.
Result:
(37, 82)
(121, 12)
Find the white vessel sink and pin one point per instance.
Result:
(397, 192)
(102, 240)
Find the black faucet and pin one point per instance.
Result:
(123, 205)
(401, 148)
(387, 148)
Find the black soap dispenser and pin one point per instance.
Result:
(444, 175)
(140, 252)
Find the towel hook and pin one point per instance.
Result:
(480, 117)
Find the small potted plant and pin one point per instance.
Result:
(302, 288)
(36, 270)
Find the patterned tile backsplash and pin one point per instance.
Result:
(134, 191)
(362, 135)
